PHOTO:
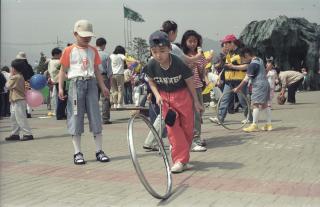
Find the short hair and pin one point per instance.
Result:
(169, 26)
(119, 50)
(18, 65)
(56, 51)
(101, 41)
(246, 50)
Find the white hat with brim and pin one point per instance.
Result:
(83, 28)
(21, 55)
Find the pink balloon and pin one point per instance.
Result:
(34, 98)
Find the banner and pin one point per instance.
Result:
(132, 15)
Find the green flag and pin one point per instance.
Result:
(132, 15)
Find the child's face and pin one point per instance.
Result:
(161, 53)
(82, 41)
(192, 43)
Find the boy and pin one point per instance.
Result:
(82, 61)
(106, 72)
(260, 89)
(18, 103)
(59, 106)
(172, 84)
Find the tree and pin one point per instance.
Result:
(139, 49)
(43, 64)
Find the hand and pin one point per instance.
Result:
(149, 97)
(236, 89)
(61, 95)
(105, 92)
(159, 100)
(228, 65)
(198, 107)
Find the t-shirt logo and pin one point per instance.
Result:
(85, 63)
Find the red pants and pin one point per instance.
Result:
(181, 133)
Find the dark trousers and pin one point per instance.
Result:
(128, 93)
(4, 105)
(105, 101)
(61, 105)
(292, 89)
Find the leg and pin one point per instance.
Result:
(20, 115)
(225, 102)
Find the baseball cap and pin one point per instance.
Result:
(83, 28)
(229, 38)
(21, 55)
(270, 59)
(159, 38)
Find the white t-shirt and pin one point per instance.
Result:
(117, 63)
(272, 76)
(177, 52)
(80, 61)
(53, 69)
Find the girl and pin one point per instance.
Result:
(191, 42)
(271, 76)
(260, 88)
(117, 81)
(171, 82)
(171, 28)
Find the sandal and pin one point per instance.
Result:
(78, 159)
(102, 157)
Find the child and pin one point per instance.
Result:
(117, 81)
(18, 104)
(171, 82)
(190, 43)
(260, 88)
(271, 76)
(82, 61)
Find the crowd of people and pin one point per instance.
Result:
(81, 75)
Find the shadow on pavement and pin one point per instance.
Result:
(283, 128)
(206, 166)
(229, 140)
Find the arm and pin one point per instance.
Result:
(155, 91)
(61, 82)
(243, 82)
(102, 86)
(237, 67)
(198, 107)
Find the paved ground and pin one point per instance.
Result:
(265, 169)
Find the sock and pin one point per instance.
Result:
(98, 141)
(268, 114)
(255, 115)
(76, 140)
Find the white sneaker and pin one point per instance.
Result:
(114, 106)
(178, 167)
(119, 106)
(198, 148)
(245, 121)
(214, 120)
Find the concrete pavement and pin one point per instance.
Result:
(280, 168)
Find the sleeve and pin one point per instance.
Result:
(123, 57)
(12, 82)
(65, 57)
(148, 70)
(97, 59)
(252, 70)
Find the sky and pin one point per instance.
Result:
(35, 26)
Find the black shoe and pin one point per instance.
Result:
(29, 116)
(78, 159)
(107, 122)
(27, 137)
(102, 157)
(13, 137)
(154, 148)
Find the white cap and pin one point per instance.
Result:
(83, 28)
(21, 55)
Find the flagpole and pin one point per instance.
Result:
(130, 31)
(124, 28)
(128, 41)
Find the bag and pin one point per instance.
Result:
(170, 117)
(281, 99)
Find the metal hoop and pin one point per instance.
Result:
(218, 106)
(135, 161)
